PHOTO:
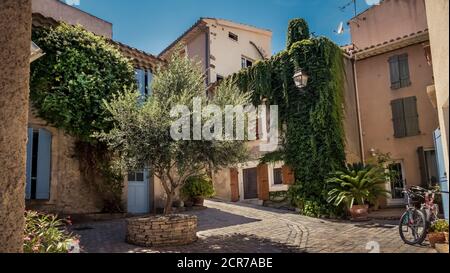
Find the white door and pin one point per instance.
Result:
(139, 192)
(443, 179)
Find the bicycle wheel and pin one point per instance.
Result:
(413, 227)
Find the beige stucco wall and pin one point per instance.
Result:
(438, 18)
(226, 53)
(376, 115)
(69, 194)
(196, 49)
(391, 19)
(15, 34)
(62, 12)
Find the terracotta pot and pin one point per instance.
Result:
(436, 238)
(360, 213)
(199, 201)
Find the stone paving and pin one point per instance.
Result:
(244, 228)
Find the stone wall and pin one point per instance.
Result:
(15, 36)
(172, 230)
(69, 193)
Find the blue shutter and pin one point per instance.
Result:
(29, 163)
(140, 79)
(44, 165)
(149, 82)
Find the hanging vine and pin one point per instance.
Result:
(81, 70)
(314, 141)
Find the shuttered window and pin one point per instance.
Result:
(399, 71)
(38, 164)
(405, 117)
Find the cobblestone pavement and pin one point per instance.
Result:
(242, 228)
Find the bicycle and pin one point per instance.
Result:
(415, 223)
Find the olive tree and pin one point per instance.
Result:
(142, 127)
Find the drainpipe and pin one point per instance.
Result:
(358, 109)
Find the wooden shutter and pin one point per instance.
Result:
(234, 184)
(263, 182)
(398, 118)
(43, 165)
(411, 116)
(395, 72)
(288, 175)
(29, 163)
(404, 70)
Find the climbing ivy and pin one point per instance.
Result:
(68, 87)
(313, 144)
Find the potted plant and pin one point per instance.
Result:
(197, 188)
(438, 233)
(357, 186)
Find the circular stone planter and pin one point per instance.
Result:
(171, 230)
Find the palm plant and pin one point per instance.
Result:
(358, 183)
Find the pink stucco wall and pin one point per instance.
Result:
(389, 20)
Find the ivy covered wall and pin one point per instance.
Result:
(314, 143)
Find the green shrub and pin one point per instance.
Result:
(198, 186)
(358, 184)
(439, 226)
(46, 234)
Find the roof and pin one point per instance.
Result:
(139, 58)
(201, 25)
(386, 46)
(366, 10)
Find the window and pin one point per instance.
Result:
(397, 181)
(38, 164)
(428, 167)
(399, 70)
(233, 36)
(143, 80)
(278, 176)
(219, 78)
(246, 62)
(405, 117)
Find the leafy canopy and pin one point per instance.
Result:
(142, 128)
(78, 72)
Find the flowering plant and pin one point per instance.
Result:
(47, 234)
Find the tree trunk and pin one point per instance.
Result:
(15, 37)
(169, 201)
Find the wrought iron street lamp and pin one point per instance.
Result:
(301, 79)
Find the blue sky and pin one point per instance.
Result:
(151, 25)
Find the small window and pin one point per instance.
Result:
(399, 71)
(246, 62)
(278, 176)
(233, 36)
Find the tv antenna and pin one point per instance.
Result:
(352, 3)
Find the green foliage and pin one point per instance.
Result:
(278, 196)
(356, 184)
(298, 30)
(142, 130)
(45, 234)
(78, 72)
(439, 226)
(313, 143)
(68, 87)
(198, 186)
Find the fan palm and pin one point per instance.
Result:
(357, 184)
